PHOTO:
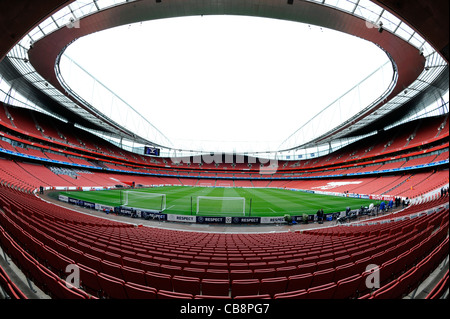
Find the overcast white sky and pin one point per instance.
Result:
(246, 81)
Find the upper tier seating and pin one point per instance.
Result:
(48, 129)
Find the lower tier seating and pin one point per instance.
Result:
(119, 260)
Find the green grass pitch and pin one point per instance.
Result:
(263, 201)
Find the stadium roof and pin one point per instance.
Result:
(413, 58)
(226, 83)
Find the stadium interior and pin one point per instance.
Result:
(121, 258)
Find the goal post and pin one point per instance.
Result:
(231, 206)
(155, 202)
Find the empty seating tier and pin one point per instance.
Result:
(119, 260)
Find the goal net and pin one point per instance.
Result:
(231, 206)
(154, 202)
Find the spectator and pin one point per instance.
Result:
(371, 208)
(320, 216)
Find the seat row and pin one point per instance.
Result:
(158, 286)
(410, 279)
(11, 290)
(91, 253)
(37, 231)
(112, 269)
(45, 279)
(440, 288)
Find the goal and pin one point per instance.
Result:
(154, 202)
(225, 206)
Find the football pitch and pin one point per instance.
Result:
(216, 201)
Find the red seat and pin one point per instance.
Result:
(296, 294)
(265, 296)
(236, 266)
(276, 263)
(257, 265)
(298, 282)
(401, 262)
(264, 273)
(91, 261)
(287, 271)
(71, 292)
(243, 287)
(215, 287)
(185, 284)
(112, 287)
(216, 274)
(322, 292)
(144, 257)
(306, 268)
(136, 291)
(115, 258)
(199, 264)
(97, 252)
(325, 264)
(348, 287)
(150, 266)
(241, 274)
(131, 262)
(49, 258)
(194, 272)
(134, 275)
(313, 259)
(273, 286)
(64, 262)
(387, 270)
(179, 262)
(361, 265)
(379, 258)
(344, 271)
(112, 268)
(407, 282)
(322, 277)
(49, 281)
(158, 281)
(89, 280)
(211, 297)
(218, 265)
(341, 260)
(171, 270)
(359, 254)
(387, 291)
(294, 262)
(164, 294)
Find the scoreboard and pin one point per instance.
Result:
(151, 151)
